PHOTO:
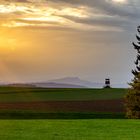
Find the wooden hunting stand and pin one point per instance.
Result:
(107, 83)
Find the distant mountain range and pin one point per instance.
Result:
(77, 81)
(57, 85)
(20, 85)
(66, 82)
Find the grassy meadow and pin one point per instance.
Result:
(106, 129)
(64, 102)
(29, 125)
(18, 94)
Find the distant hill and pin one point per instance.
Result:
(77, 81)
(57, 85)
(20, 85)
(66, 82)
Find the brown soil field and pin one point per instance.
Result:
(68, 106)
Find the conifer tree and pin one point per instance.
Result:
(132, 98)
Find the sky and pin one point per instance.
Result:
(48, 39)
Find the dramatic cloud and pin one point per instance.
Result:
(80, 14)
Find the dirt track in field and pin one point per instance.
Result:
(78, 106)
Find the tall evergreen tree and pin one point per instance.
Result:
(132, 99)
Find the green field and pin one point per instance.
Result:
(16, 94)
(106, 129)
(29, 95)
(32, 125)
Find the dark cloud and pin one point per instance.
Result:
(108, 7)
(101, 12)
(105, 6)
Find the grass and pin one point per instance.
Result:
(31, 125)
(105, 129)
(16, 94)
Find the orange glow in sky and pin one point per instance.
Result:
(45, 39)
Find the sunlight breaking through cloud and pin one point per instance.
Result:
(97, 15)
(41, 14)
(50, 15)
(42, 39)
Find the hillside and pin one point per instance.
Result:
(17, 94)
(77, 81)
(57, 85)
